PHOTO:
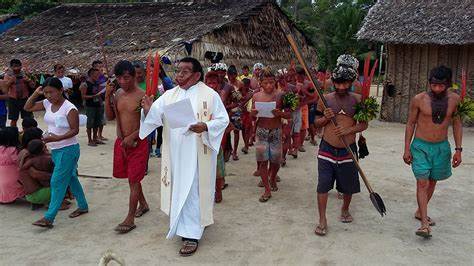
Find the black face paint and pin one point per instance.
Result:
(439, 106)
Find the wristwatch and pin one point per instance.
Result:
(458, 149)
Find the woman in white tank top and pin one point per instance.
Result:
(61, 139)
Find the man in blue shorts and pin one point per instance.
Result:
(335, 163)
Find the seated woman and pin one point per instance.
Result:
(10, 188)
(35, 173)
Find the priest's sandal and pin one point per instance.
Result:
(189, 248)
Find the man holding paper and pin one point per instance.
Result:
(267, 107)
(189, 153)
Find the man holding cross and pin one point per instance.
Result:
(189, 154)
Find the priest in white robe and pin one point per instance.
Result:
(189, 154)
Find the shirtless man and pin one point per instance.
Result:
(130, 153)
(269, 134)
(255, 87)
(429, 153)
(246, 105)
(308, 97)
(212, 80)
(233, 107)
(225, 91)
(255, 80)
(334, 161)
(287, 126)
(296, 118)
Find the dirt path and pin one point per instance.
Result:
(248, 232)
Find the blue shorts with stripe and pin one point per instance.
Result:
(336, 165)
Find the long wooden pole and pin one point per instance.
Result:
(380, 69)
(325, 105)
(101, 43)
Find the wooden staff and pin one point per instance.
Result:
(374, 197)
(101, 42)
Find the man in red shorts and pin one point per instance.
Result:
(130, 153)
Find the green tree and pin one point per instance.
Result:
(331, 25)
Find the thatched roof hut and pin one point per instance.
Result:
(419, 36)
(245, 31)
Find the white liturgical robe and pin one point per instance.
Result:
(188, 171)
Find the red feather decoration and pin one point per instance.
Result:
(148, 74)
(368, 82)
(156, 71)
(366, 66)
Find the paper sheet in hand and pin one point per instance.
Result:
(265, 109)
(180, 114)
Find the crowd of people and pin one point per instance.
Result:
(276, 112)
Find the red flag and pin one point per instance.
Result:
(463, 84)
(148, 76)
(156, 71)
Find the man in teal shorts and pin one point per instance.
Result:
(429, 153)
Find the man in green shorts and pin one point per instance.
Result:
(429, 153)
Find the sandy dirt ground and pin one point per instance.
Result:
(246, 232)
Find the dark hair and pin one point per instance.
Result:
(266, 73)
(232, 70)
(53, 82)
(441, 74)
(124, 66)
(246, 67)
(246, 81)
(31, 134)
(29, 122)
(300, 71)
(57, 66)
(162, 73)
(138, 64)
(212, 75)
(197, 67)
(96, 62)
(9, 137)
(35, 147)
(91, 70)
(15, 62)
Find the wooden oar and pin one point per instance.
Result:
(374, 197)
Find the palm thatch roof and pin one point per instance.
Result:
(420, 22)
(69, 33)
